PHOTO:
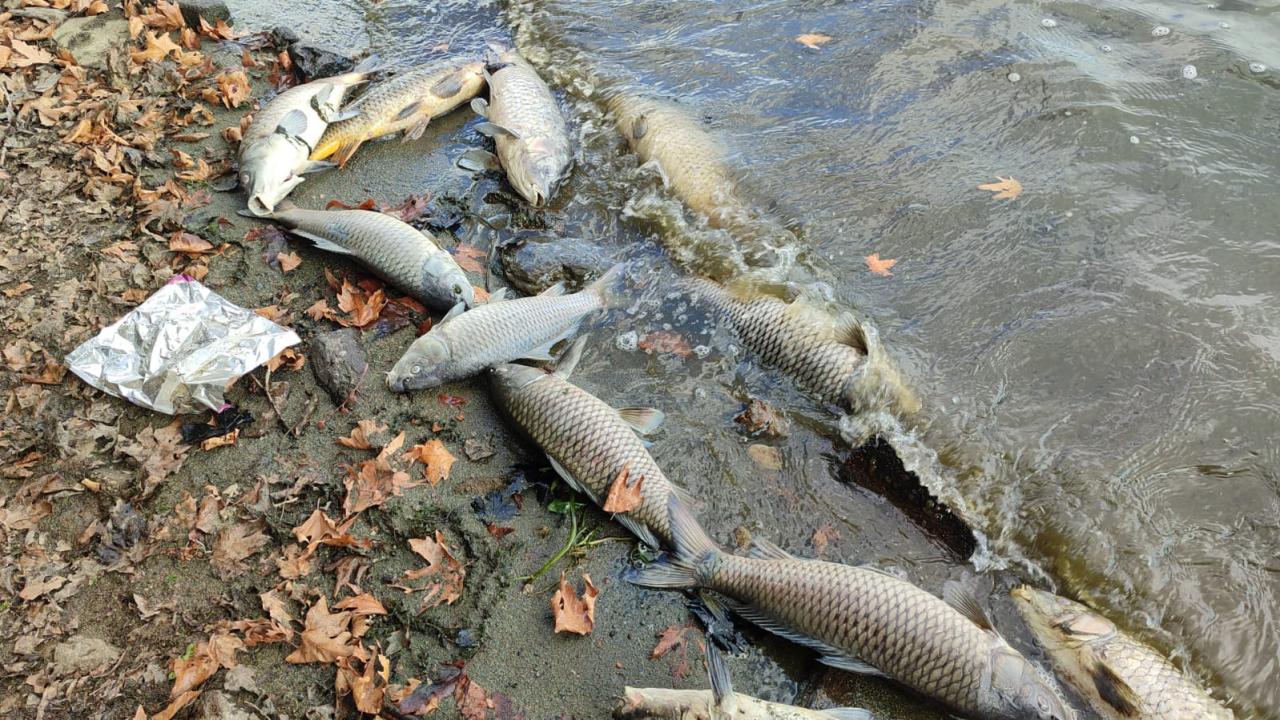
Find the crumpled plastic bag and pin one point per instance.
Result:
(179, 350)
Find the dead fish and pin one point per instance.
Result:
(406, 102)
(498, 331)
(399, 253)
(866, 621)
(1121, 678)
(719, 703)
(527, 127)
(589, 443)
(836, 356)
(275, 148)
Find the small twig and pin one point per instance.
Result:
(266, 389)
(306, 415)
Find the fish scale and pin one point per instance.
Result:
(590, 440)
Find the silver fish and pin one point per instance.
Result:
(498, 331)
(865, 621)
(836, 356)
(527, 127)
(395, 250)
(1120, 677)
(275, 148)
(589, 443)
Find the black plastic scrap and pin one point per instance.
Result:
(224, 422)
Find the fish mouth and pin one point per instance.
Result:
(396, 384)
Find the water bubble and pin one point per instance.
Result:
(1224, 25)
(1159, 31)
(1189, 72)
(702, 351)
(1133, 140)
(1049, 22)
(1105, 48)
(1257, 67)
(1014, 77)
(628, 341)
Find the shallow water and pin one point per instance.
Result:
(1099, 357)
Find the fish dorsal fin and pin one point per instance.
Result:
(643, 420)
(848, 330)
(492, 130)
(454, 312)
(718, 671)
(293, 124)
(553, 291)
(478, 160)
(499, 295)
(480, 106)
(409, 110)
(1114, 691)
(762, 549)
(962, 600)
(571, 480)
(569, 358)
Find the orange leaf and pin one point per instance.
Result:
(880, 266)
(362, 604)
(359, 437)
(573, 613)
(220, 440)
(234, 87)
(469, 257)
(288, 261)
(814, 41)
(326, 637)
(669, 639)
(665, 341)
(155, 48)
(435, 458)
(185, 242)
(823, 536)
(447, 571)
(1005, 189)
(623, 497)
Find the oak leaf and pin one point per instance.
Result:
(624, 496)
(572, 613)
(1004, 188)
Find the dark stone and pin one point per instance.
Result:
(339, 363)
(314, 60)
(533, 262)
(282, 36)
(211, 10)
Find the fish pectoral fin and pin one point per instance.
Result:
(961, 599)
(569, 358)
(409, 110)
(322, 243)
(643, 420)
(1114, 691)
(571, 480)
(454, 312)
(542, 353)
(346, 149)
(416, 131)
(553, 291)
(848, 330)
(339, 116)
(293, 124)
(493, 130)
(852, 665)
(477, 160)
(848, 713)
(480, 106)
(637, 528)
(317, 166)
(764, 550)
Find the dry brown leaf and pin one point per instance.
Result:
(623, 496)
(369, 687)
(670, 639)
(373, 482)
(275, 607)
(362, 604)
(326, 637)
(178, 704)
(220, 440)
(446, 572)
(665, 341)
(469, 257)
(155, 48)
(360, 434)
(236, 543)
(879, 266)
(814, 41)
(1004, 189)
(288, 358)
(185, 242)
(234, 88)
(320, 529)
(823, 536)
(219, 651)
(289, 261)
(436, 460)
(572, 613)
(766, 456)
(363, 309)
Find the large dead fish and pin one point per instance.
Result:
(1120, 677)
(399, 253)
(836, 356)
(589, 443)
(527, 127)
(865, 621)
(275, 148)
(405, 102)
(498, 331)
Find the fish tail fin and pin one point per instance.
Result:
(682, 568)
(609, 286)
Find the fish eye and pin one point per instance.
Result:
(416, 369)
(457, 289)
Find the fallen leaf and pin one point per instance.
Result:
(446, 570)
(359, 437)
(669, 639)
(259, 631)
(759, 418)
(373, 482)
(288, 358)
(623, 497)
(363, 309)
(813, 41)
(766, 456)
(469, 257)
(288, 261)
(219, 651)
(665, 341)
(275, 608)
(234, 87)
(155, 48)
(572, 613)
(218, 441)
(879, 266)
(823, 536)
(1004, 189)
(236, 543)
(52, 374)
(185, 242)
(367, 688)
(320, 529)
(326, 637)
(362, 604)
(178, 703)
(435, 458)
(473, 701)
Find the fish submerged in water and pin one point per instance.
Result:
(835, 356)
(866, 621)
(406, 102)
(395, 250)
(1121, 678)
(498, 331)
(275, 148)
(526, 124)
(589, 443)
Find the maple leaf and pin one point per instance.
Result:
(326, 637)
(288, 358)
(414, 207)
(879, 266)
(436, 460)
(52, 374)
(294, 563)
(573, 613)
(320, 310)
(766, 456)
(363, 309)
(362, 604)
(1004, 189)
(813, 41)
(260, 631)
(154, 49)
(25, 55)
(219, 651)
(367, 688)
(159, 453)
(447, 571)
(376, 481)
(367, 204)
(669, 639)
(473, 701)
(623, 497)
(823, 536)
(320, 529)
(235, 544)
(665, 341)
(288, 261)
(360, 434)
(275, 608)
(469, 257)
(234, 87)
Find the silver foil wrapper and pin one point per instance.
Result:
(179, 350)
